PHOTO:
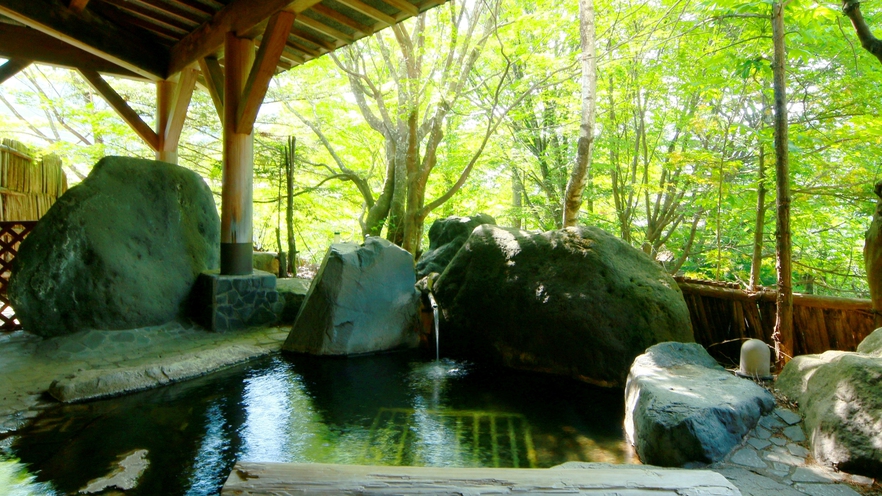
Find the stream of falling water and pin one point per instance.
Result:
(435, 311)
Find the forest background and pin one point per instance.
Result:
(475, 106)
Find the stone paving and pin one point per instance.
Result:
(772, 460)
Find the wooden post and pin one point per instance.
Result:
(236, 194)
(165, 91)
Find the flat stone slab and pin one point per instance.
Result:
(316, 478)
(102, 383)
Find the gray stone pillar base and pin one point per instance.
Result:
(226, 302)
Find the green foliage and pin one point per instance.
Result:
(683, 109)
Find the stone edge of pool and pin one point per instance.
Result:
(580, 478)
(33, 368)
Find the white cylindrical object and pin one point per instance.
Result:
(755, 360)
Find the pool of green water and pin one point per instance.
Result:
(390, 409)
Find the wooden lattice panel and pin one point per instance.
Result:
(11, 235)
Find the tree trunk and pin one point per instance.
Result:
(517, 199)
(289, 210)
(783, 334)
(757, 259)
(578, 178)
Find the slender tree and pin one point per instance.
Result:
(579, 176)
(783, 334)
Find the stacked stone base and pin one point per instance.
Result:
(226, 303)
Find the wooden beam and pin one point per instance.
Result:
(324, 29)
(404, 6)
(369, 11)
(180, 103)
(304, 36)
(239, 17)
(271, 47)
(22, 42)
(11, 68)
(358, 27)
(214, 81)
(122, 108)
(90, 33)
(78, 5)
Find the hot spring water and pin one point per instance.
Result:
(391, 409)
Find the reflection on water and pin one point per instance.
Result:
(393, 409)
(15, 480)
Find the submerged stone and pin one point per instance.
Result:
(577, 302)
(121, 250)
(362, 300)
(681, 407)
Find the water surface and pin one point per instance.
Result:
(391, 409)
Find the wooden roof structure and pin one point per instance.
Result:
(156, 39)
(234, 46)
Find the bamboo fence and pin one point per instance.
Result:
(723, 315)
(28, 187)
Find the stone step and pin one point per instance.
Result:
(315, 478)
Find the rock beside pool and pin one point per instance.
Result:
(577, 302)
(446, 237)
(682, 407)
(840, 395)
(292, 291)
(121, 250)
(362, 300)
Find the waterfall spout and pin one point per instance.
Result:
(435, 311)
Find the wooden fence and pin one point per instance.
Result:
(28, 187)
(723, 315)
(11, 235)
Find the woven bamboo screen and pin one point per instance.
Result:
(28, 187)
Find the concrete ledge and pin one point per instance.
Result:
(101, 383)
(316, 478)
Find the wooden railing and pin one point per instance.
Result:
(11, 235)
(724, 315)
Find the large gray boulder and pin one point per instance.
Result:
(446, 237)
(577, 302)
(362, 300)
(840, 395)
(121, 250)
(682, 407)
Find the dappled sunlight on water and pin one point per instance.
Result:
(394, 409)
(15, 480)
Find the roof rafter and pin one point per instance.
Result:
(239, 17)
(11, 68)
(90, 33)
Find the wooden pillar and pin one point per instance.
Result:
(236, 194)
(165, 91)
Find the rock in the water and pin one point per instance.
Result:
(840, 395)
(292, 291)
(446, 237)
(362, 300)
(120, 250)
(682, 407)
(578, 302)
